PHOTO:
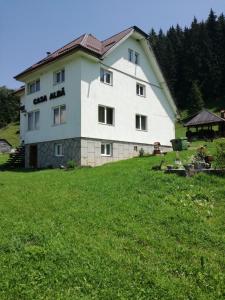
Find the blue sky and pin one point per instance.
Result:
(29, 28)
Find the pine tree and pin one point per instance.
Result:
(221, 55)
(195, 99)
(153, 38)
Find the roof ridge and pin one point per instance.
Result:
(212, 113)
(84, 39)
(94, 36)
(132, 27)
(67, 44)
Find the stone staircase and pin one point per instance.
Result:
(16, 160)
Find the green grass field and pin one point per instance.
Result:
(119, 231)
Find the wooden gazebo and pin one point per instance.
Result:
(207, 125)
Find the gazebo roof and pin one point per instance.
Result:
(204, 117)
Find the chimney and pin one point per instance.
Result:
(222, 114)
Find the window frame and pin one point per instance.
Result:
(136, 58)
(133, 56)
(138, 85)
(130, 55)
(37, 86)
(105, 144)
(62, 77)
(56, 150)
(33, 123)
(104, 72)
(53, 111)
(140, 122)
(105, 115)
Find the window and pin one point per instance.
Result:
(130, 55)
(135, 148)
(59, 76)
(36, 119)
(140, 90)
(133, 56)
(33, 120)
(33, 86)
(58, 149)
(106, 149)
(105, 115)
(106, 76)
(136, 58)
(141, 122)
(59, 113)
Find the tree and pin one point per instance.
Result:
(9, 105)
(195, 99)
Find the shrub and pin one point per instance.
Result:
(141, 152)
(71, 164)
(220, 154)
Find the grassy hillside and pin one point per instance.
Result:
(120, 231)
(11, 134)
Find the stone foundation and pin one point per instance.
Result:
(46, 156)
(86, 152)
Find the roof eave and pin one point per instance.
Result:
(161, 78)
(204, 124)
(140, 31)
(75, 49)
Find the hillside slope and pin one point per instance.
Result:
(10, 133)
(120, 231)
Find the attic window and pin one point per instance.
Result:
(130, 55)
(133, 56)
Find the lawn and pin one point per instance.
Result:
(119, 231)
(10, 133)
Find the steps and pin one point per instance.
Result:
(16, 160)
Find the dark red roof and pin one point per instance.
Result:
(86, 42)
(204, 117)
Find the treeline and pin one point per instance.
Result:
(193, 62)
(9, 106)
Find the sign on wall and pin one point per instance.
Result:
(52, 96)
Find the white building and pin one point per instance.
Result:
(95, 101)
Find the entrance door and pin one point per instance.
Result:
(33, 156)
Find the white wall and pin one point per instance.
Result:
(47, 130)
(122, 96)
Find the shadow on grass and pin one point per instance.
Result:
(20, 170)
(32, 170)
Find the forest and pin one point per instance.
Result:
(192, 60)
